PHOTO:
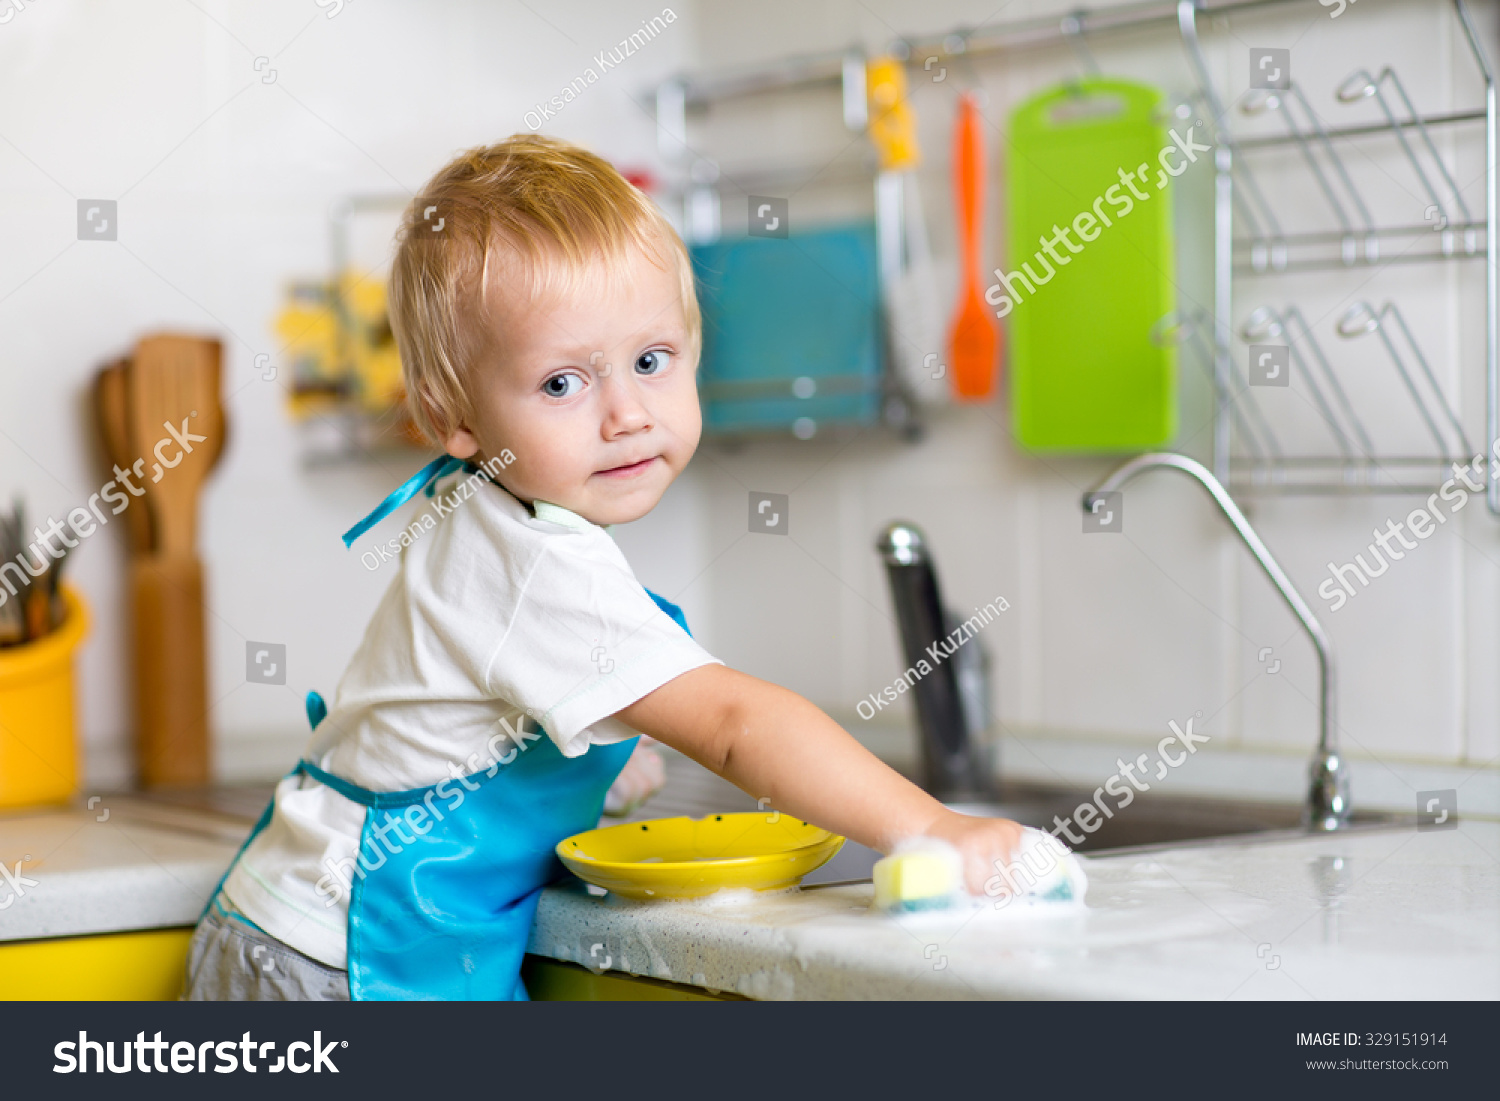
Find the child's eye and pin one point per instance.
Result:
(562, 386)
(652, 363)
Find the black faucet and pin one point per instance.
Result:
(951, 705)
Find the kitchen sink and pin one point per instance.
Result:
(1148, 822)
(1153, 820)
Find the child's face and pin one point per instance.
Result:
(592, 391)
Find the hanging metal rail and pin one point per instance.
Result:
(1263, 465)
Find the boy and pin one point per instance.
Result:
(549, 334)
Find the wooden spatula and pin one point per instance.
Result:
(173, 400)
(974, 345)
(173, 380)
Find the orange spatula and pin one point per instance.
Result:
(974, 343)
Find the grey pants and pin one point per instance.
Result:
(230, 960)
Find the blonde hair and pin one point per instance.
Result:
(556, 207)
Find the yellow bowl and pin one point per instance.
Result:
(693, 857)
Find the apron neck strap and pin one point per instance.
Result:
(422, 480)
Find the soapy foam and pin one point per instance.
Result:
(1041, 872)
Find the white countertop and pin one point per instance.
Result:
(1381, 914)
(1388, 914)
(93, 871)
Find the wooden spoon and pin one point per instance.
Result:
(974, 345)
(109, 410)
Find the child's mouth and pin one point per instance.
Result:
(630, 470)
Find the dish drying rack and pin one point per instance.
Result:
(1248, 238)
(1248, 454)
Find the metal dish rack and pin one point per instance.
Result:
(1248, 454)
(1249, 238)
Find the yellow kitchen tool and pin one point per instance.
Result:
(893, 123)
(693, 857)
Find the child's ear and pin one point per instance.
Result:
(461, 443)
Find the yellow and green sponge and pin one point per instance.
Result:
(924, 874)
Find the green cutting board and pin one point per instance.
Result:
(1084, 373)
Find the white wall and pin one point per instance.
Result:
(1110, 637)
(224, 183)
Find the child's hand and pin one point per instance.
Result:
(640, 779)
(986, 844)
(780, 749)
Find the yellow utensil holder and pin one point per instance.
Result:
(38, 736)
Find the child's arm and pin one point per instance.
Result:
(773, 743)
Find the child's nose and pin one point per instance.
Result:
(624, 410)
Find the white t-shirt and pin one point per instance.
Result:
(494, 615)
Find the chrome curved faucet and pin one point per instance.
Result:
(1328, 790)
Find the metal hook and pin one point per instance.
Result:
(1264, 322)
(1073, 30)
(1361, 319)
(1358, 320)
(1259, 102)
(1361, 85)
(855, 92)
(1261, 323)
(956, 47)
(1171, 329)
(1262, 102)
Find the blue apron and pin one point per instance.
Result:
(449, 876)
